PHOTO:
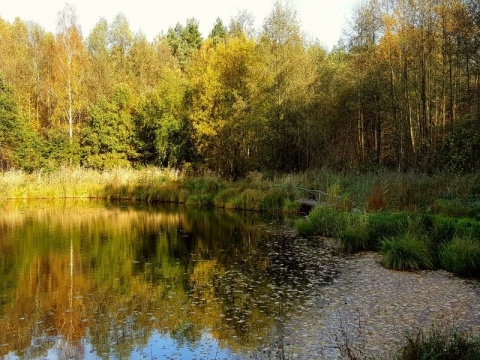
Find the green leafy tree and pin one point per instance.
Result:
(120, 40)
(285, 77)
(163, 130)
(102, 71)
(20, 146)
(8, 125)
(108, 139)
(219, 32)
(184, 40)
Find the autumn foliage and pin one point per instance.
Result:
(401, 90)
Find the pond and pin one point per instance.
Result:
(88, 279)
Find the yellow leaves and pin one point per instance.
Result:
(219, 79)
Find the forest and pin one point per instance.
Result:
(400, 91)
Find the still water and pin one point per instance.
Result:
(90, 280)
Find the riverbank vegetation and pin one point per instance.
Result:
(440, 345)
(407, 240)
(416, 221)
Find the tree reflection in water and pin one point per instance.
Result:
(88, 279)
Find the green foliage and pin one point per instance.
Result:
(461, 149)
(249, 199)
(381, 225)
(291, 206)
(107, 140)
(442, 229)
(406, 252)
(446, 228)
(323, 221)
(219, 32)
(225, 197)
(202, 200)
(184, 40)
(438, 345)
(354, 236)
(461, 256)
(202, 191)
(457, 208)
(20, 146)
(274, 199)
(204, 185)
(163, 130)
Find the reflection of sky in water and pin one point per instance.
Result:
(160, 346)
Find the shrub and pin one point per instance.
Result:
(461, 256)
(377, 200)
(467, 228)
(406, 252)
(304, 227)
(456, 208)
(440, 346)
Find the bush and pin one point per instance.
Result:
(406, 252)
(204, 185)
(440, 346)
(467, 228)
(461, 256)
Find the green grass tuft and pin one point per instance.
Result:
(323, 221)
(461, 256)
(354, 236)
(406, 252)
(440, 346)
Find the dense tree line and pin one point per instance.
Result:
(401, 90)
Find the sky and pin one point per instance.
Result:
(321, 20)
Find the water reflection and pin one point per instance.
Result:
(94, 280)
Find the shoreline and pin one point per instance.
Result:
(371, 310)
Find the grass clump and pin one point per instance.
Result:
(226, 198)
(324, 221)
(273, 199)
(291, 206)
(354, 236)
(202, 191)
(461, 256)
(406, 252)
(457, 208)
(440, 346)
